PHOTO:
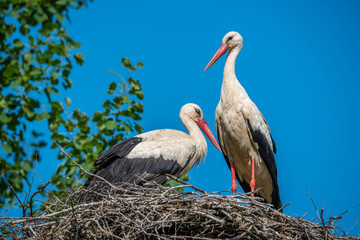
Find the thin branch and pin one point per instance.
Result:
(82, 169)
(284, 206)
(317, 212)
(183, 182)
(22, 205)
(39, 191)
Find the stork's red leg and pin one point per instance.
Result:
(233, 179)
(252, 182)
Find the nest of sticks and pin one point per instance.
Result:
(158, 212)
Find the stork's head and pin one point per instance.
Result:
(230, 41)
(194, 112)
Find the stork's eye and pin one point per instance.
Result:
(198, 111)
(229, 38)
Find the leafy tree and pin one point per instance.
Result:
(118, 118)
(36, 58)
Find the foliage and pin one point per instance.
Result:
(36, 59)
(84, 142)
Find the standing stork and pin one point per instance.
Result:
(242, 131)
(151, 155)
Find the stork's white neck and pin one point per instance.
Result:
(230, 83)
(198, 139)
(192, 127)
(229, 69)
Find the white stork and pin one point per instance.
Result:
(149, 156)
(242, 131)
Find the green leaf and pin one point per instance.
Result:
(36, 134)
(35, 72)
(28, 58)
(67, 101)
(45, 115)
(18, 44)
(14, 13)
(127, 128)
(16, 182)
(26, 166)
(79, 58)
(3, 103)
(65, 73)
(49, 90)
(54, 78)
(110, 124)
(138, 128)
(138, 107)
(7, 148)
(29, 113)
(125, 62)
(97, 116)
(42, 115)
(61, 2)
(77, 45)
(41, 17)
(140, 95)
(185, 177)
(126, 99)
(16, 83)
(88, 167)
(112, 86)
(106, 104)
(4, 118)
(139, 65)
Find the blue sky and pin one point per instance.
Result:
(300, 65)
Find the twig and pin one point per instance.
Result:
(356, 223)
(183, 182)
(23, 206)
(317, 212)
(82, 169)
(284, 206)
(321, 216)
(50, 192)
(31, 199)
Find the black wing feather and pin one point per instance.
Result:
(116, 168)
(267, 154)
(273, 143)
(139, 171)
(119, 150)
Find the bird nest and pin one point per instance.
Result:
(158, 212)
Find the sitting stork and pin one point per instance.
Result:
(150, 156)
(242, 131)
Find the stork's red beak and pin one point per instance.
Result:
(222, 49)
(205, 128)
